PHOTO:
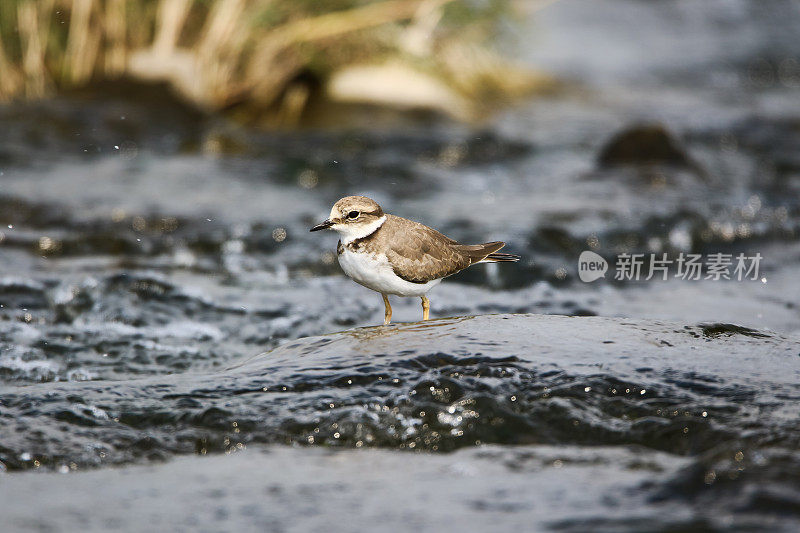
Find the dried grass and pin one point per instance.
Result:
(229, 52)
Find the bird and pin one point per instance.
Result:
(393, 255)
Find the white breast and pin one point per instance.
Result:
(374, 272)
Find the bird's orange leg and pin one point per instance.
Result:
(426, 307)
(387, 317)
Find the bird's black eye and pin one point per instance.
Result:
(352, 214)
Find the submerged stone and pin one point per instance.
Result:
(645, 144)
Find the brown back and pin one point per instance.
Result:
(422, 254)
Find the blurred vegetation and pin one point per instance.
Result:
(263, 58)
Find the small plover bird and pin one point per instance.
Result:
(394, 255)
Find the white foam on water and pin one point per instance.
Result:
(24, 332)
(175, 330)
(8, 281)
(29, 368)
(185, 330)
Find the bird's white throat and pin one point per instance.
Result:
(351, 232)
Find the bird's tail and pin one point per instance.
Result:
(487, 252)
(501, 258)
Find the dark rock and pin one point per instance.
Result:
(645, 144)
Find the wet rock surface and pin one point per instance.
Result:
(697, 413)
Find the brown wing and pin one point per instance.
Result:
(423, 254)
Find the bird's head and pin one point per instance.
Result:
(353, 217)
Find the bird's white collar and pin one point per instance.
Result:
(350, 233)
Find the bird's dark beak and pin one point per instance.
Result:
(322, 225)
